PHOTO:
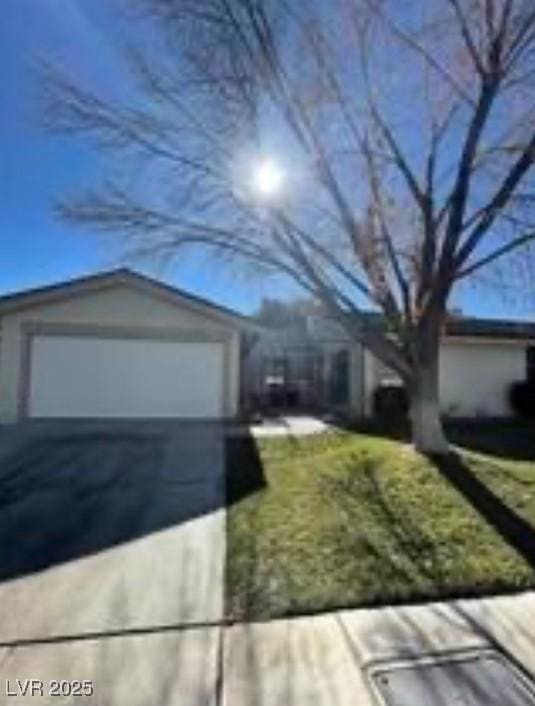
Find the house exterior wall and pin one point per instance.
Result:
(475, 375)
(282, 344)
(356, 381)
(118, 310)
(371, 378)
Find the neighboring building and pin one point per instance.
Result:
(122, 345)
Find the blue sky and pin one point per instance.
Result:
(37, 168)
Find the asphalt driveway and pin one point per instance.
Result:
(109, 528)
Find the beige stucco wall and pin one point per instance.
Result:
(119, 306)
(373, 369)
(475, 375)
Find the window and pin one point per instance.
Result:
(530, 363)
(339, 383)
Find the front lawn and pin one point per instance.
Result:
(347, 519)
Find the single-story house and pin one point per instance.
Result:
(117, 344)
(315, 364)
(122, 345)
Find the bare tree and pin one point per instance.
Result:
(407, 134)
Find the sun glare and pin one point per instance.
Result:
(268, 178)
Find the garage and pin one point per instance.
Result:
(88, 377)
(117, 345)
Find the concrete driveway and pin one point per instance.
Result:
(112, 541)
(112, 544)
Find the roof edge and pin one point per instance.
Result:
(57, 291)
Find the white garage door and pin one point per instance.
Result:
(91, 377)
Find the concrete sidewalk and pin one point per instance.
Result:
(323, 660)
(316, 661)
(283, 426)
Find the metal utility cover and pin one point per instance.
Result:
(483, 678)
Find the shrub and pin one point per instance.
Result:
(522, 398)
(390, 401)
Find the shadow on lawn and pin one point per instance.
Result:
(402, 549)
(508, 439)
(504, 438)
(244, 469)
(517, 532)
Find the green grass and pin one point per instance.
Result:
(348, 519)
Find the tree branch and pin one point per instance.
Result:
(498, 202)
(468, 39)
(500, 252)
(459, 195)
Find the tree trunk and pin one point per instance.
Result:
(427, 431)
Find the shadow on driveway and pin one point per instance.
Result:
(65, 496)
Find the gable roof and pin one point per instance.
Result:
(121, 276)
